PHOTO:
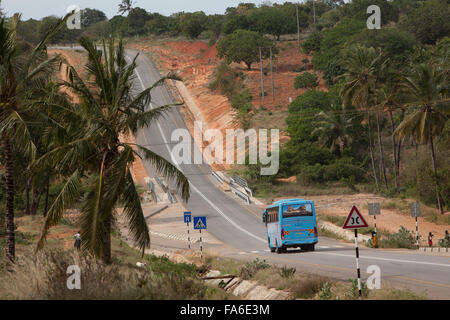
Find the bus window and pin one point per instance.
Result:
(272, 214)
(297, 210)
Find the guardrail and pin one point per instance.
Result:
(243, 183)
(240, 194)
(165, 189)
(217, 176)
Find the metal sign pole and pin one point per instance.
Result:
(375, 223)
(357, 262)
(201, 245)
(189, 240)
(417, 234)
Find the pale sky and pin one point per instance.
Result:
(38, 9)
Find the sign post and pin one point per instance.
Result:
(199, 224)
(374, 210)
(354, 221)
(415, 212)
(187, 219)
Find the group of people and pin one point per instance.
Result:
(430, 238)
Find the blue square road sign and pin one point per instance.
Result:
(187, 217)
(199, 223)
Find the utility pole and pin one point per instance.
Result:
(298, 27)
(314, 10)
(271, 72)
(262, 75)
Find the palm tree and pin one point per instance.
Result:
(109, 108)
(333, 127)
(362, 66)
(126, 6)
(428, 88)
(21, 71)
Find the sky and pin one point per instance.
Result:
(38, 9)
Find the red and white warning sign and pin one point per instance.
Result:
(355, 220)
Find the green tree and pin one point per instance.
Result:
(429, 111)
(243, 46)
(429, 22)
(362, 65)
(333, 129)
(193, 24)
(20, 73)
(108, 109)
(91, 16)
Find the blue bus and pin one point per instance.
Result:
(291, 223)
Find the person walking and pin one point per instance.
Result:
(77, 243)
(430, 239)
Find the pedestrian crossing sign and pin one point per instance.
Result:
(199, 223)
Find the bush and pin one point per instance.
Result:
(325, 292)
(402, 239)
(286, 272)
(44, 277)
(354, 291)
(306, 80)
(299, 69)
(251, 268)
(312, 43)
(224, 80)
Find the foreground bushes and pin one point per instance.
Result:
(44, 277)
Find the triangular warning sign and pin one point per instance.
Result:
(200, 224)
(355, 220)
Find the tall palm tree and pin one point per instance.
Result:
(126, 6)
(333, 127)
(21, 71)
(360, 82)
(109, 108)
(428, 88)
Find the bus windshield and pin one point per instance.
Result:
(297, 210)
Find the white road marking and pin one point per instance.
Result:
(386, 259)
(255, 251)
(192, 185)
(324, 247)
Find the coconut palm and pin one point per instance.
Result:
(362, 65)
(21, 71)
(333, 129)
(126, 6)
(429, 111)
(109, 108)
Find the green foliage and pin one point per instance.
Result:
(251, 268)
(354, 290)
(428, 22)
(225, 80)
(312, 43)
(193, 24)
(306, 80)
(243, 46)
(357, 9)
(325, 292)
(402, 239)
(287, 272)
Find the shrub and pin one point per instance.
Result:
(402, 239)
(306, 80)
(224, 80)
(325, 292)
(354, 291)
(312, 43)
(286, 272)
(251, 268)
(299, 69)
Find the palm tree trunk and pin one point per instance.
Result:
(107, 241)
(433, 159)
(27, 197)
(380, 143)
(9, 169)
(394, 147)
(371, 151)
(47, 191)
(399, 148)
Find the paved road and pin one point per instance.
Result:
(232, 221)
(238, 225)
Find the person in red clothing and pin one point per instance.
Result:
(430, 239)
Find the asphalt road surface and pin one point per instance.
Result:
(239, 225)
